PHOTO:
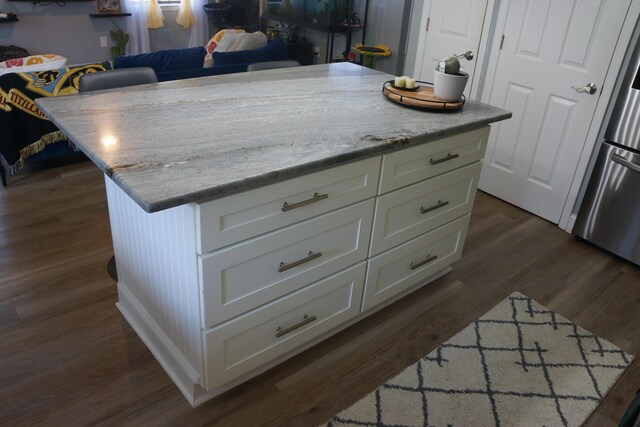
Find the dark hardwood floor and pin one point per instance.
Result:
(67, 357)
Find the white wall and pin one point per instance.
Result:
(414, 35)
(70, 32)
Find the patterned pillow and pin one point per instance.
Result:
(32, 63)
(220, 43)
(231, 41)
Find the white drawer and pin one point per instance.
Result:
(244, 276)
(411, 165)
(232, 219)
(411, 211)
(251, 341)
(409, 264)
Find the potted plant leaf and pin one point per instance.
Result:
(448, 81)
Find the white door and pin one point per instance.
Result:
(449, 27)
(549, 48)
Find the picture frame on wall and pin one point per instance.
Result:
(108, 6)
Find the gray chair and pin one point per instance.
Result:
(111, 79)
(120, 77)
(270, 65)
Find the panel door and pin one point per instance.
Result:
(453, 27)
(550, 51)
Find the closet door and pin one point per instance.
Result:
(552, 59)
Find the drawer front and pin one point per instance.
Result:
(235, 218)
(244, 276)
(260, 336)
(433, 158)
(414, 262)
(414, 210)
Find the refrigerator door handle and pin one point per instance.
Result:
(624, 162)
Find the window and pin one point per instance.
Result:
(164, 3)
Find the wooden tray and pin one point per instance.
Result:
(423, 97)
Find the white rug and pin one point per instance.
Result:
(518, 365)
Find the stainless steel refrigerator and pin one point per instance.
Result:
(609, 215)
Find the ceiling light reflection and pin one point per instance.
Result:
(109, 142)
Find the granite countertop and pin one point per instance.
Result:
(171, 143)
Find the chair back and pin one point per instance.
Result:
(270, 65)
(119, 77)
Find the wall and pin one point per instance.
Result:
(414, 36)
(70, 32)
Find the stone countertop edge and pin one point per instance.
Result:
(277, 173)
(280, 175)
(275, 176)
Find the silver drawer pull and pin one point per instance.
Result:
(305, 320)
(434, 207)
(444, 159)
(284, 267)
(423, 262)
(624, 162)
(316, 198)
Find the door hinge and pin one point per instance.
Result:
(427, 27)
(501, 42)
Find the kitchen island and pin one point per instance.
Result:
(255, 214)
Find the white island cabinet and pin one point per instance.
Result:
(241, 242)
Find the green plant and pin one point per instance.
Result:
(450, 64)
(121, 38)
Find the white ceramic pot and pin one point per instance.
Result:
(449, 86)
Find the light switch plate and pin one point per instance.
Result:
(103, 41)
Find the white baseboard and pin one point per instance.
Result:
(183, 376)
(568, 227)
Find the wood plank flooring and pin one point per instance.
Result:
(67, 357)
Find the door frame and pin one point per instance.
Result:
(596, 128)
(482, 49)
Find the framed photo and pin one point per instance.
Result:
(108, 6)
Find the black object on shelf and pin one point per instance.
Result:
(301, 51)
(217, 13)
(108, 15)
(234, 14)
(10, 18)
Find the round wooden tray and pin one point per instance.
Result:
(421, 98)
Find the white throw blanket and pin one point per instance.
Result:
(232, 40)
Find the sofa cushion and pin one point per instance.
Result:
(165, 60)
(274, 51)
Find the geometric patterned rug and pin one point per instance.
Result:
(518, 365)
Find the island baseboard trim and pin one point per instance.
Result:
(153, 337)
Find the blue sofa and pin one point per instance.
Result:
(176, 64)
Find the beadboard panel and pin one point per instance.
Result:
(156, 261)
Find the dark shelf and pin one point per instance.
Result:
(14, 19)
(336, 28)
(108, 15)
